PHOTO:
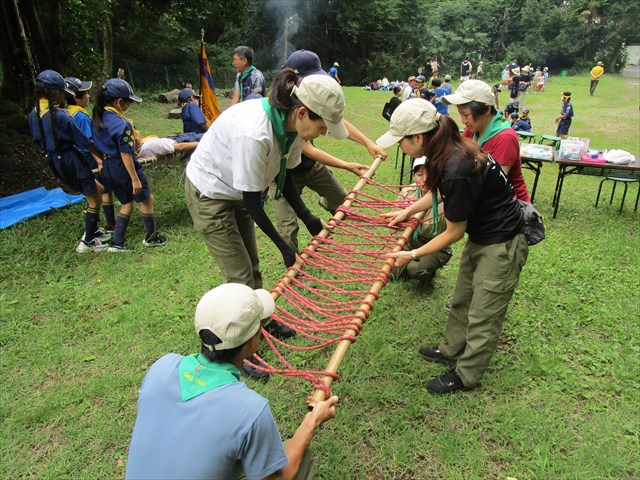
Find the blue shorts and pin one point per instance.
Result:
(563, 126)
(119, 180)
(74, 170)
(98, 176)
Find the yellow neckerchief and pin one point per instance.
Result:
(120, 114)
(142, 140)
(73, 109)
(44, 106)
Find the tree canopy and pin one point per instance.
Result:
(156, 40)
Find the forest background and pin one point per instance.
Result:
(155, 41)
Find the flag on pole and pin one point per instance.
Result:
(210, 106)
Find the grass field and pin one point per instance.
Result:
(561, 399)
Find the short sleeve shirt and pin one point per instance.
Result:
(441, 107)
(216, 435)
(504, 147)
(567, 109)
(253, 86)
(481, 196)
(239, 153)
(68, 134)
(116, 137)
(192, 118)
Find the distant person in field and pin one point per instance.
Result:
(596, 75)
(466, 69)
(249, 80)
(566, 116)
(333, 73)
(409, 89)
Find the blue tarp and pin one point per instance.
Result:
(26, 205)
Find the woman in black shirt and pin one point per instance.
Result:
(478, 200)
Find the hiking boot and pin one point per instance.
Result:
(100, 234)
(253, 372)
(94, 245)
(449, 382)
(155, 240)
(432, 354)
(113, 248)
(279, 331)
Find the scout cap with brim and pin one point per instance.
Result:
(52, 79)
(471, 91)
(118, 88)
(412, 117)
(77, 85)
(304, 63)
(232, 312)
(185, 94)
(323, 95)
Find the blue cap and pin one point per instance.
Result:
(52, 79)
(304, 62)
(185, 94)
(77, 85)
(118, 88)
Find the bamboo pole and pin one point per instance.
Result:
(365, 307)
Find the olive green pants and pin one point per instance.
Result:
(229, 233)
(321, 180)
(487, 278)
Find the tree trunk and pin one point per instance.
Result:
(107, 46)
(40, 48)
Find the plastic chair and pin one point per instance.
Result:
(625, 181)
(526, 135)
(550, 140)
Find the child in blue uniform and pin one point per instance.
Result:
(67, 151)
(113, 135)
(566, 116)
(77, 107)
(193, 120)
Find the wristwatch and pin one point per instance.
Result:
(414, 256)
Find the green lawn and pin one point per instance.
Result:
(560, 400)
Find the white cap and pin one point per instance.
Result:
(323, 95)
(232, 312)
(471, 91)
(412, 116)
(419, 162)
(335, 64)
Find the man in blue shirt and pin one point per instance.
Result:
(193, 120)
(438, 92)
(249, 80)
(196, 419)
(333, 73)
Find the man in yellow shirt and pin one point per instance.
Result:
(596, 73)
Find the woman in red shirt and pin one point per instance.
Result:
(476, 105)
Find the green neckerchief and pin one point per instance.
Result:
(243, 76)
(415, 232)
(278, 119)
(434, 212)
(197, 375)
(496, 125)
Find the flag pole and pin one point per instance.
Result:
(199, 65)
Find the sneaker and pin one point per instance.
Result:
(154, 240)
(100, 234)
(94, 245)
(279, 331)
(113, 248)
(253, 372)
(432, 354)
(449, 382)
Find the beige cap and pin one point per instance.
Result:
(232, 312)
(412, 116)
(324, 96)
(471, 91)
(412, 77)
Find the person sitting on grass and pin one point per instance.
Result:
(423, 269)
(518, 124)
(196, 419)
(193, 120)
